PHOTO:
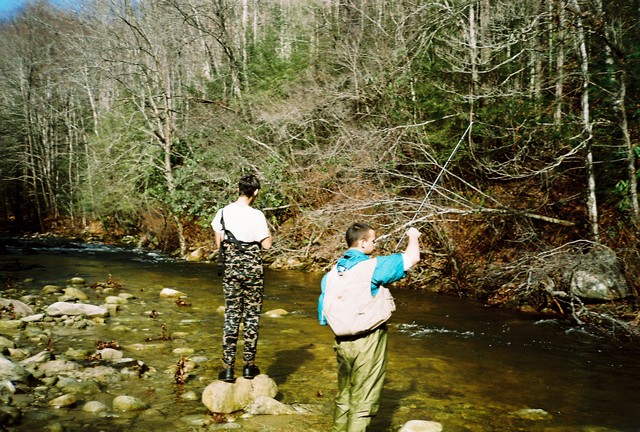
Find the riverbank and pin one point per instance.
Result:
(536, 284)
(444, 352)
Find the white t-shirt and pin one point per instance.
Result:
(246, 223)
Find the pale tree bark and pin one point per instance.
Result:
(559, 13)
(587, 125)
(536, 75)
(285, 36)
(244, 28)
(473, 62)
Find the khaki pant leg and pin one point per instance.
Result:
(362, 365)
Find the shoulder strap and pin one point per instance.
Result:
(228, 235)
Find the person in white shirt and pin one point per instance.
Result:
(241, 232)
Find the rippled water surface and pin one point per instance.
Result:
(450, 361)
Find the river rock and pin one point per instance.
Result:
(264, 405)
(99, 374)
(77, 386)
(65, 308)
(12, 371)
(196, 255)
(171, 293)
(55, 367)
(73, 293)
(76, 281)
(6, 343)
(76, 353)
(421, 426)
(34, 360)
(110, 354)
(532, 414)
(95, 407)
(222, 397)
(19, 309)
(276, 313)
(63, 401)
(598, 276)
(117, 300)
(129, 403)
(9, 325)
(51, 289)
(32, 318)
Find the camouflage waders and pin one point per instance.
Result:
(243, 285)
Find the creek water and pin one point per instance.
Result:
(450, 360)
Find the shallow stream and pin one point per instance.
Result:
(451, 361)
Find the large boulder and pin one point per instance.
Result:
(597, 276)
(222, 397)
(65, 308)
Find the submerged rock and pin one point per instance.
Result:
(532, 414)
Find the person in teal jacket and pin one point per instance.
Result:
(362, 358)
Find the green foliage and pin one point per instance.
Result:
(271, 75)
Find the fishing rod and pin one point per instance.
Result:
(433, 185)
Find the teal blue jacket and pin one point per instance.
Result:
(389, 268)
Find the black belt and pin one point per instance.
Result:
(351, 338)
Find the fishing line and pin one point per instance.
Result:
(433, 185)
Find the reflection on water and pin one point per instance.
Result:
(450, 361)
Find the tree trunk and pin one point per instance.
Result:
(587, 126)
(559, 84)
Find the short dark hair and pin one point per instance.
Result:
(248, 184)
(357, 231)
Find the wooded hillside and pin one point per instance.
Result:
(502, 129)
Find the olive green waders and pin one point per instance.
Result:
(362, 364)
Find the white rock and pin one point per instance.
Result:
(421, 426)
(128, 403)
(276, 313)
(115, 300)
(171, 293)
(110, 354)
(95, 407)
(65, 308)
(19, 308)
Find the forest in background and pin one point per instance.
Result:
(506, 131)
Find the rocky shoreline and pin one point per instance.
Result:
(43, 383)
